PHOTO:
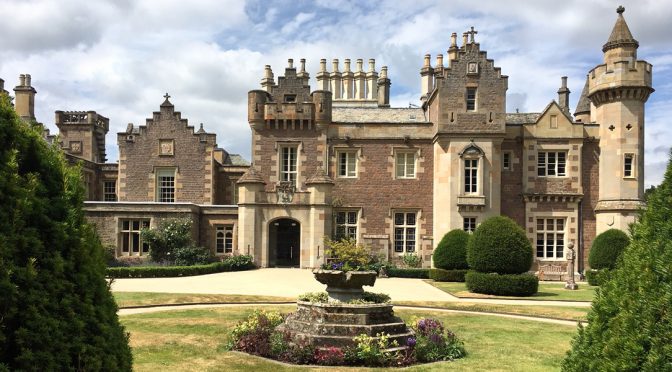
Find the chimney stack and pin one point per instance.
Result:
(563, 95)
(360, 80)
(371, 79)
(348, 86)
(335, 80)
(322, 76)
(24, 93)
(383, 88)
(267, 82)
(426, 77)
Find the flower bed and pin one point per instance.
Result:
(258, 335)
(367, 298)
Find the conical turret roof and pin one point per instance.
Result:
(584, 103)
(620, 35)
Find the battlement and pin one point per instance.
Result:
(620, 74)
(82, 117)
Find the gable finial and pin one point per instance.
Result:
(166, 96)
(472, 33)
(620, 9)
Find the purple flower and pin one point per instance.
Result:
(410, 342)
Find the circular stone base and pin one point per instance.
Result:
(324, 325)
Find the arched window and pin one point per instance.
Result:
(471, 158)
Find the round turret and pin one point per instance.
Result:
(322, 101)
(256, 99)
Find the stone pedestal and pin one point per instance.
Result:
(324, 325)
(345, 285)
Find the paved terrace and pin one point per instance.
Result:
(293, 282)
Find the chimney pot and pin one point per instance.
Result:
(372, 65)
(22, 80)
(290, 63)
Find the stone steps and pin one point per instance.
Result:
(351, 330)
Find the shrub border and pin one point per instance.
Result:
(443, 275)
(393, 272)
(176, 271)
(502, 284)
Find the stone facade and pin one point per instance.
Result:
(338, 161)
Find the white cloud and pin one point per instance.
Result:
(119, 57)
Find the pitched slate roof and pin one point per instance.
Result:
(583, 106)
(377, 115)
(522, 118)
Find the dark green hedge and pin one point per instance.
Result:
(502, 285)
(407, 273)
(597, 277)
(441, 275)
(499, 245)
(236, 263)
(451, 252)
(606, 249)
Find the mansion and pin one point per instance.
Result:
(336, 160)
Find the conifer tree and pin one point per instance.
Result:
(56, 310)
(630, 323)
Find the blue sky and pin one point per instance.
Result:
(120, 57)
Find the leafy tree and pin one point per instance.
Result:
(56, 310)
(630, 323)
(171, 235)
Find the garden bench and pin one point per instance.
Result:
(551, 272)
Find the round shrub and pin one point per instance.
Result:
(451, 253)
(499, 245)
(502, 284)
(606, 249)
(441, 275)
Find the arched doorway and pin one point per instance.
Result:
(285, 242)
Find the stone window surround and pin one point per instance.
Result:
(508, 153)
(555, 240)
(118, 221)
(279, 145)
(224, 230)
(157, 185)
(472, 152)
(466, 98)
(556, 150)
(406, 150)
(467, 223)
(418, 218)
(356, 151)
(356, 225)
(633, 165)
(110, 193)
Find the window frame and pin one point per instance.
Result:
(469, 179)
(160, 189)
(110, 196)
(469, 224)
(405, 175)
(127, 246)
(542, 246)
(223, 241)
(349, 154)
(554, 166)
(505, 155)
(407, 245)
(632, 171)
(348, 225)
(285, 172)
(473, 101)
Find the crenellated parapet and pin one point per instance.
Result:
(82, 133)
(620, 80)
(289, 104)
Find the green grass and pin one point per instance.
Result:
(125, 299)
(557, 312)
(547, 292)
(193, 340)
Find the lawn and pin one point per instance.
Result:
(547, 292)
(128, 299)
(193, 340)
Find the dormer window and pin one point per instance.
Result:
(471, 99)
(290, 98)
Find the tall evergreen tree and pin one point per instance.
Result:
(630, 323)
(56, 310)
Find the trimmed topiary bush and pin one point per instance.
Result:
(441, 275)
(606, 249)
(499, 245)
(451, 253)
(502, 284)
(630, 322)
